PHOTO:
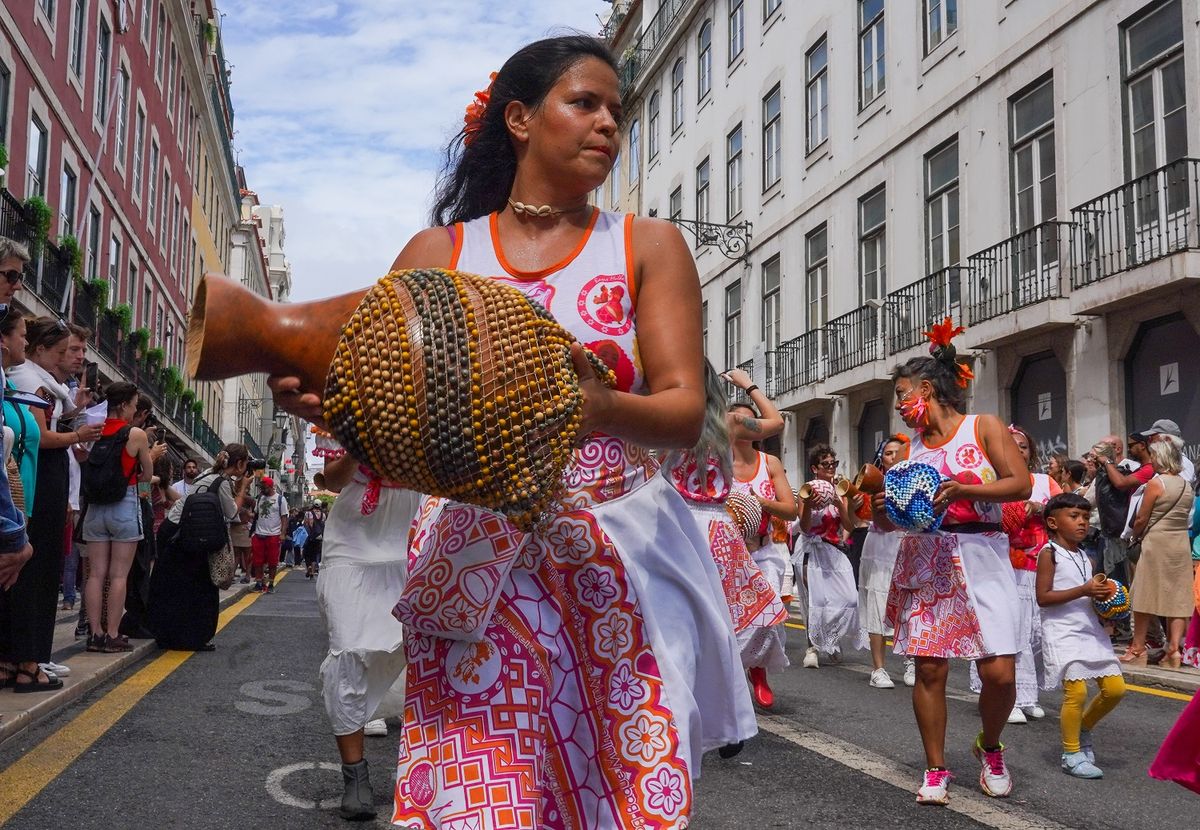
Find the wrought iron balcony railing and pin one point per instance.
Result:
(913, 308)
(651, 38)
(799, 362)
(1020, 271)
(1150, 217)
(853, 339)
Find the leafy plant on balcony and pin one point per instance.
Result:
(3, 157)
(139, 338)
(154, 357)
(123, 314)
(198, 408)
(97, 291)
(172, 382)
(39, 215)
(210, 33)
(188, 398)
(72, 254)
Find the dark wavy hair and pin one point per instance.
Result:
(942, 375)
(478, 177)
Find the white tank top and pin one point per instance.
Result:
(591, 293)
(961, 458)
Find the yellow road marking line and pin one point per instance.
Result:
(1133, 687)
(33, 772)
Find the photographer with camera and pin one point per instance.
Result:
(270, 526)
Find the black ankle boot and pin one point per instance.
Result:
(358, 804)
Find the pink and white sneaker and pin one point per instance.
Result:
(994, 778)
(936, 787)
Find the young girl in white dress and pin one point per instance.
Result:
(1075, 648)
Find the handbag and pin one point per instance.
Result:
(221, 565)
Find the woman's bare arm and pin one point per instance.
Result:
(1153, 490)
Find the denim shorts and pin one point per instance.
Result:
(117, 522)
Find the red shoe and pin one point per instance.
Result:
(763, 695)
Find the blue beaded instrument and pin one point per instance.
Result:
(1116, 607)
(909, 488)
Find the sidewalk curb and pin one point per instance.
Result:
(1182, 681)
(72, 690)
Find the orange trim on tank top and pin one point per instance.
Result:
(544, 272)
(458, 245)
(953, 435)
(630, 273)
(758, 457)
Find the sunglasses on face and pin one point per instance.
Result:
(828, 465)
(13, 275)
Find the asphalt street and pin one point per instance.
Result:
(238, 738)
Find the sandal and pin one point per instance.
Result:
(1171, 660)
(1133, 656)
(35, 685)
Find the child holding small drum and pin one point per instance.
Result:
(1075, 648)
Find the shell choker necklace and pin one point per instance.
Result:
(541, 211)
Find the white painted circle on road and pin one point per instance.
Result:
(278, 792)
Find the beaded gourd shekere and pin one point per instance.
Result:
(909, 488)
(459, 386)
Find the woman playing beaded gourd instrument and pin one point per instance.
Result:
(538, 656)
(952, 591)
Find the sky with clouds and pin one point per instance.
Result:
(342, 108)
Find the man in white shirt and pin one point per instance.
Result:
(269, 528)
(183, 487)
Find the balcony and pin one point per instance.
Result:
(915, 307)
(1148, 218)
(650, 39)
(47, 275)
(734, 392)
(799, 362)
(1020, 271)
(108, 338)
(853, 339)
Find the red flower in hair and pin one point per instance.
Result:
(473, 120)
(965, 375)
(940, 334)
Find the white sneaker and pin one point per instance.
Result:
(910, 672)
(935, 789)
(810, 658)
(1017, 716)
(881, 680)
(1036, 712)
(55, 668)
(994, 778)
(375, 728)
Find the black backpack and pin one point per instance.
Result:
(103, 479)
(202, 525)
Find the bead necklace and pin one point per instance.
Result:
(541, 211)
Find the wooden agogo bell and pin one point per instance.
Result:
(441, 382)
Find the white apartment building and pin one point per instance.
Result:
(1028, 167)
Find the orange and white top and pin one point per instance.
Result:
(962, 458)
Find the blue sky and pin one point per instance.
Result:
(343, 107)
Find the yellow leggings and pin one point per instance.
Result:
(1074, 717)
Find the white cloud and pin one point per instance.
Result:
(342, 110)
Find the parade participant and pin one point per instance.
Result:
(875, 579)
(1022, 521)
(1075, 648)
(366, 561)
(704, 476)
(830, 595)
(573, 662)
(952, 592)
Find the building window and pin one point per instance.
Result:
(704, 325)
(737, 29)
(131, 291)
(151, 186)
(47, 7)
(702, 177)
(1033, 170)
(733, 325)
(67, 196)
(164, 218)
(169, 342)
(39, 141)
(103, 47)
(770, 303)
(114, 268)
(733, 173)
(158, 325)
(5, 88)
(78, 32)
(139, 144)
(170, 85)
(653, 119)
(941, 21)
(772, 139)
(147, 303)
(870, 51)
(770, 7)
(160, 45)
(614, 183)
(146, 8)
(704, 64)
(93, 243)
(174, 249)
(872, 245)
(635, 152)
(1157, 110)
(816, 278)
(941, 208)
(677, 96)
(122, 113)
(676, 204)
(816, 96)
